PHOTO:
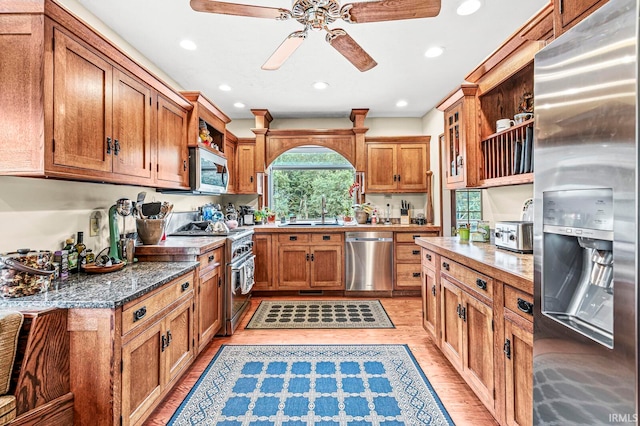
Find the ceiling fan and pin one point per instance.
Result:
(316, 15)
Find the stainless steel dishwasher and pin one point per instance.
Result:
(369, 261)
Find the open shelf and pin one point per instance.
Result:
(507, 156)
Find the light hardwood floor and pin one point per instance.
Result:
(461, 403)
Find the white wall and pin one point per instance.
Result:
(504, 203)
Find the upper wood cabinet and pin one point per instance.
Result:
(247, 182)
(569, 12)
(397, 164)
(230, 152)
(461, 137)
(81, 108)
(205, 114)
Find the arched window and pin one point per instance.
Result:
(299, 178)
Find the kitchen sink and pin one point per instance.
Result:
(310, 224)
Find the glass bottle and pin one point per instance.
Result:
(72, 257)
(81, 249)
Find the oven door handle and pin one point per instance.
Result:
(239, 264)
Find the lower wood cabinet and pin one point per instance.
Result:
(311, 261)
(263, 249)
(430, 308)
(209, 297)
(407, 260)
(124, 361)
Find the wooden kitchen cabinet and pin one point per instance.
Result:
(205, 114)
(431, 294)
(209, 296)
(246, 176)
(461, 137)
(172, 152)
(86, 111)
(263, 249)
(395, 166)
(310, 261)
(568, 13)
(408, 269)
(230, 148)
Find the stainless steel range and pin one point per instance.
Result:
(239, 270)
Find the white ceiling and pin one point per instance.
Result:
(231, 50)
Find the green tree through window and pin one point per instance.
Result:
(300, 177)
(468, 207)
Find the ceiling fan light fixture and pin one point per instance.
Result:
(225, 87)
(467, 7)
(320, 85)
(239, 105)
(188, 45)
(402, 103)
(434, 52)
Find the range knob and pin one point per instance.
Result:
(512, 237)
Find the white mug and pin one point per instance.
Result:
(504, 124)
(520, 118)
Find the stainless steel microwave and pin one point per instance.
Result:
(208, 172)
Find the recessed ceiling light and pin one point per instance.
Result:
(467, 7)
(401, 104)
(434, 52)
(320, 85)
(239, 105)
(188, 45)
(224, 87)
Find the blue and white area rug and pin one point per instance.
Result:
(300, 385)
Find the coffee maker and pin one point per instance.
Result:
(246, 215)
(577, 279)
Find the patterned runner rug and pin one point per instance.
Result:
(298, 385)
(320, 314)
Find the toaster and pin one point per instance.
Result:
(515, 236)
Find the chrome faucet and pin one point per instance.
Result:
(323, 209)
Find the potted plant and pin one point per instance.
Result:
(347, 214)
(362, 212)
(271, 215)
(259, 216)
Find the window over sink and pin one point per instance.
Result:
(299, 178)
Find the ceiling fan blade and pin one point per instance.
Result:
(389, 10)
(347, 46)
(226, 8)
(286, 49)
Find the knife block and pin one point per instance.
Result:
(405, 215)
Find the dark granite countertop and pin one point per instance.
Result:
(109, 290)
(513, 268)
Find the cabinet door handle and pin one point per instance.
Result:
(416, 275)
(433, 289)
(185, 286)
(415, 236)
(416, 252)
(482, 284)
(108, 145)
(326, 237)
(139, 314)
(169, 337)
(524, 306)
(293, 238)
(184, 165)
(428, 256)
(163, 343)
(307, 257)
(251, 178)
(219, 281)
(213, 256)
(398, 178)
(312, 257)
(458, 310)
(116, 147)
(445, 265)
(463, 314)
(395, 178)
(507, 348)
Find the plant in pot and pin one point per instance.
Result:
(259, 216)
(362, 212)
(347, 214)
(271, 215)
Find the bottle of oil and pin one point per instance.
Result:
(72, 257)
(81, 249)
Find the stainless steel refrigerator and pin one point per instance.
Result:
(585, 226)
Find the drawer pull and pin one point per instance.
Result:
(184, 286)
(213, 256)
(482, 284)
(416, 252)
(139, 314)
(524, 306)
(326, 237)
(416, 275)
(428, 256)
(293, 238)
(445, 265)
